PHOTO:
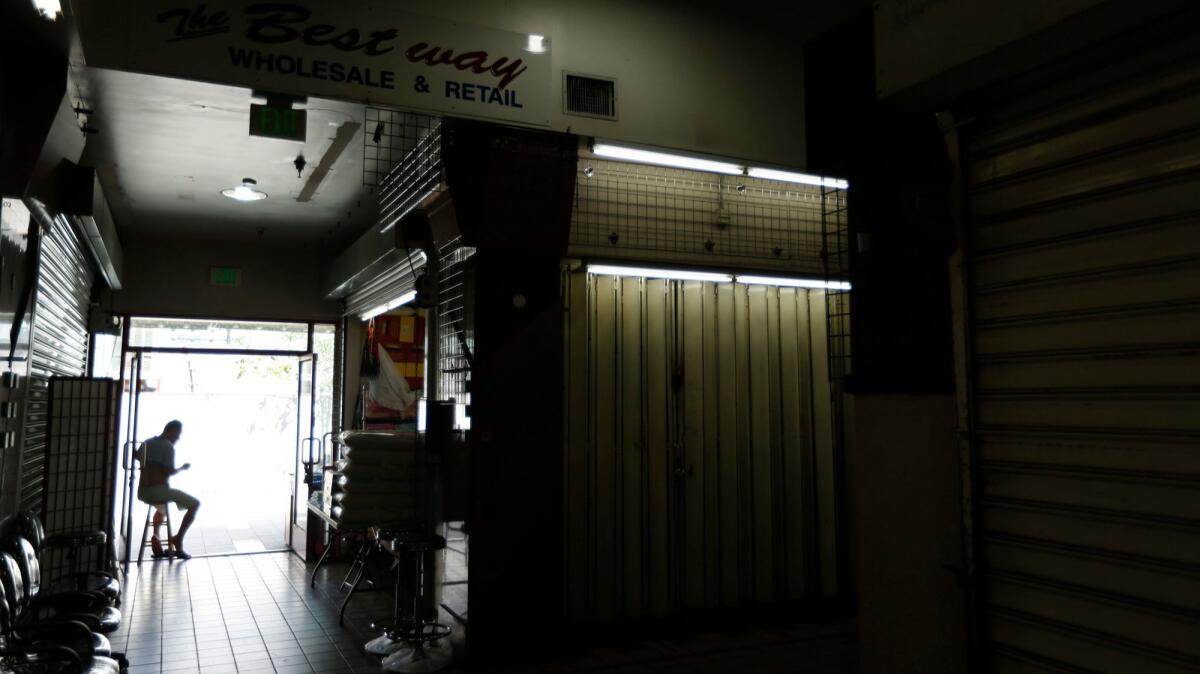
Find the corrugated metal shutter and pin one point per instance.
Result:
(387, 286)
(1084, 282)
(60, 342)
(727, 383)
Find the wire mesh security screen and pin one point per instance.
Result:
(835, 254)
(79, 463)
(835, 226)
(393, 139)
(456, 331)
(634, 211)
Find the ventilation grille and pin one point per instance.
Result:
(590, 96)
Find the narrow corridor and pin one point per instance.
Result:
(257, 613)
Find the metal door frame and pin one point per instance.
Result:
(127, 462)
(129, 419)
(296, 512)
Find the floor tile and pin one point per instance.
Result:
(314, 647)
(289, 659)
(328, 661)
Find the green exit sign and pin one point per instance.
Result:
(230, 277)
(277, 122)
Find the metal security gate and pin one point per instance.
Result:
(700, 463)
(60, 342)
(389, 285)
(1083, 282)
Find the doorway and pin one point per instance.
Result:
(257, 405)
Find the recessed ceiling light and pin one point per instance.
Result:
(246, 191)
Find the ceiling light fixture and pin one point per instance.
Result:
(536, 44)
(793, 282)
(247, 191)
(388, 306)
(664, 159)
(646, 272)
(48, 8)
(642, 156)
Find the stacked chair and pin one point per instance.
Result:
(59, 646)
(30, 526)
(390, 487)
(59, 629)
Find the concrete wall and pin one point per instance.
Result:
(170, 277)
(931, 52)
(912, 604)
(917, 39)
(354, 336)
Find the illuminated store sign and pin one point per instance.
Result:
(336, 50)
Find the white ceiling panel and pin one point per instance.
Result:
(165, 149)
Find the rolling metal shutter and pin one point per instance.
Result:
(700, 467)
(60, 342)
(388, 285)
(1083, 278)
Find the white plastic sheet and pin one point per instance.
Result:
(389, 388)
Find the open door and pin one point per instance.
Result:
(125, 489)
(308, 454)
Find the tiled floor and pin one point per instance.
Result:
(250, 613)
(222, 536)
(257, 613)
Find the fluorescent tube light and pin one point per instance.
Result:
(802, 178)
(664, 159)
(633, 154)
(793, 282)
(388, 306)
(646, 272)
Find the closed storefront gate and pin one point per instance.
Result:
(60, 342)
(1083, 281)
(700, 463)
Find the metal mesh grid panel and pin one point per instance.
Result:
(835, 253)
(456, 334)
(80, 442)
(835, 228)
(633, 211)
(392, 139)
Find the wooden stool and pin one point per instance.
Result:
(166, 509)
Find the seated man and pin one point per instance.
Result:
(158, 465)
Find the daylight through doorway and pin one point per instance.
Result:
(239, 434)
